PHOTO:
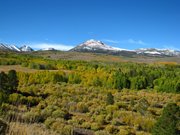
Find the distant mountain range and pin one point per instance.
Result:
(100, 47)
(95, 46)
(24, 48)
(6, 47)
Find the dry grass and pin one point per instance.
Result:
(104, 57)
(17, 128)
(18, 68)
(80, 56)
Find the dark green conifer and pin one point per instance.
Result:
(110, 99)
(167, 123)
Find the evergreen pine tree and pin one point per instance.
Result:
(3, 82)
(110, 99)
(12, 80)
(167, 123)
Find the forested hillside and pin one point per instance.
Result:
(88, 97)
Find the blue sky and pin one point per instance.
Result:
(62, 24)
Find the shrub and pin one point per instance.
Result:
(58, 114)
(86, 125)
(111, 108)
(95, 126)
(34, 66)
(82, 107)
(14, 98)
(100, 119)
(102, 132)
(48, 122)
(142, 106)
(110, 129)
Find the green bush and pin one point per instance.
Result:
(82, 107)
(100, 119)
(95, 126)
(14, 98)
(58, 114)
(49, 121)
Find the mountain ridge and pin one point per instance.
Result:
(96, 46)
(7, 47)
(99, 47)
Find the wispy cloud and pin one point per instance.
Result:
(140, 42)
(110, 41)
(51, 45)
(171, 47)
(129, 41)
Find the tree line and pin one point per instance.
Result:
(120, 76)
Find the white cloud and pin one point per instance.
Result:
(140, 42)
(51, 45)
(171, 47)
(111, 41)
(129, 41)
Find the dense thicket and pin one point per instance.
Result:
(116, 76)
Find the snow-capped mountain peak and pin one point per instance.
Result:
(26, 48)
(95, 45)
(9, 47)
